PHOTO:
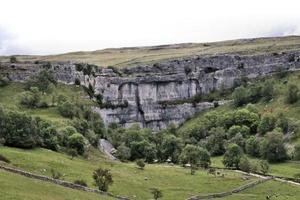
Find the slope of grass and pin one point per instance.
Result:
(143, 55)
(174, 181)
(9, 98)
(274, 189)
(16, 187)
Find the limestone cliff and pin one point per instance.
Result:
(136, 95)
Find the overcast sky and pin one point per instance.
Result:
(57, 26)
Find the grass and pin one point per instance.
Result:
(16, 187)
(174, 181)
(9, 98)
(286, 169)
(121, 57)
(275, 189)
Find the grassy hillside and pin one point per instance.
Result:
(174, 181)
(15, 187)
(143, 55)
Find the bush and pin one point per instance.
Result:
(244, 164)
(13, 59)
(80, 182)
(232, 156)
(67, 109)
(240, 96)
(72, 152)
(215, 142)
(140, 163)
(56, 174)
(42, 81)
(292, 94)
(3, 81)
(252, 146)
(123, 153)
(296, 155)
(77, 141)
(157, 193)
(264, 167)
(266, 124)
(4, 159)
(77, 81)
(102, 178)
(272, 147)
(30, 98)
(191, 154)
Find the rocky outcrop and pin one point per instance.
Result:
(149, 95)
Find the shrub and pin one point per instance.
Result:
(77, 141)
(81, 182)
(72, 152)
(41, 81)
(232, 156)
(244, 164)
(3, 81)
(191, 154)
(264, 167)
(4, 159)
(297, 152)
(123, 153)
(266, 124)
(13, 59)
(102, 178)
(140, 163)
(67, 109)
(215, 142)
(56, 174)
(30, 98)
(77, 81)
(272, 147)
(292, 94)
(252, 146)
(240, 96)
(157, 193)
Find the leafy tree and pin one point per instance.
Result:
(239, 140)
(297, 152)
(247, 118)
(266, 124)
(234, 130)
(283, 123)
(123, 153)
(77, 141)
(140, 163)
(292, 94)
(171, 147)
(191, 154)
(272, 147)
(30, 98)
(3, 81)
(268, 90)
(157, 193)
(13, 59)
(252, 146)
(72, 152)
(244, 164)
(41, 81)
(204, 158)
(67, 109)
(103, 178)
(215, 142)
(264, 167)
(233, 156)
(240, 96)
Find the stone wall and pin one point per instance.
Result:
(143, 88)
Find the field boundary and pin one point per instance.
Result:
(60, 182)
(236, 190)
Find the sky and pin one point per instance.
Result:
(56, 26)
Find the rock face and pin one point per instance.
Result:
(155, 94)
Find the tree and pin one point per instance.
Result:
(264, 167)
(123, 153)
(191, 154)
(272, 147)
(140, 163)
(41, 81)
(67, 109)
(240, 96)
(30, 98)
(266, 124)
(244, 164)
(72, 152)
(297, 152)
(267, 90)
(171, 147)
(13, 59)
(234, 130)
(252, 146)
(103, 178)
(77, 141)
(157, 193)
(232, 156)
(215, 142)
(292, 94)
(204, 158)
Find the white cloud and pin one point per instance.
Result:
(55, 26)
